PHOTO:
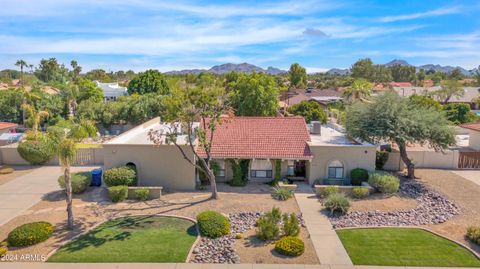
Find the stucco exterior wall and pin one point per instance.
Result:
(156, 166)
(424, 159)
(10, 156)
(351, 156)
(474, 140)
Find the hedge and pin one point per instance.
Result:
(120, 176)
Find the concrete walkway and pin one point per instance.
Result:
(472, 175)
(329, 248)
(25, 191)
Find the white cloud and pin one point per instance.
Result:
(311, 70)
(430, 13)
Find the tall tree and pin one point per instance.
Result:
(403, 73)
(184, 108)
(298, 76)
(310, 110)
(397, 120)
(22, 64)
(450, 88)
(76, 70)
(456, 74)
(359, 90)
(363, 68)
(149, 81)
(34, 117)
(254, 94)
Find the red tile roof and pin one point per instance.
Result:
(401, 84)
(472, 126)
(262, 138)
(7, 125)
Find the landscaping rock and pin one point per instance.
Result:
(433, 208)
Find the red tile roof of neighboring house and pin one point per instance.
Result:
(401, 84)
(261, 137)
(7, 125)
(472, 126)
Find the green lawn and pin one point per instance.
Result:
(132, 239)
(403, 247)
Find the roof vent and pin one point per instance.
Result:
(316, 127)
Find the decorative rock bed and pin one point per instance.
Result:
(433, 208)
(222, 250)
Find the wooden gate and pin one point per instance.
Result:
(469, 160)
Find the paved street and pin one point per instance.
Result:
(23, 192)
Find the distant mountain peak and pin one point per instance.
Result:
(397, 62)
(231, 67)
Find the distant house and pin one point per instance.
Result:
(111, 90)
(469, 96)
(474, 132)
(7, 127)
(400, 84)
(323, 97)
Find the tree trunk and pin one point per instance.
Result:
(213, 183)
(407, 161)
(68, 190)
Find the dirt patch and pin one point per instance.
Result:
(464, 193)
(253, 250)
(92, 208)
(19, 171)
(384, 203)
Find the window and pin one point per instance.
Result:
(335, 169)
(261, 168)
(221, 166)
(291, 168)
(261, 173)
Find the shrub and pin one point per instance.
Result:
(281, 194)
(381, 159)
(267, 225)
(213, 224)
(30, 234)
(119, 176)
(358, 175)
(290, 246)
(384, 182)
(290, 225)
(6, 170)
(360, 192)
(337, 202)
(118, 193)
(473, 233)
(330, 190)
(142, 194)
(3, 251)
(36, 150)
(80, 181)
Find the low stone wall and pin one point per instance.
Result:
(320, 189)
(291, 187)
(153, 192)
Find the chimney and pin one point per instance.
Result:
(316, 127)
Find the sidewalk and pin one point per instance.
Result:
(329, 248)
(25, 191)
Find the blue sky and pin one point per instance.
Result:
(179, 34)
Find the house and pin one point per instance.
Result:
(305, 152)
(7, 127)
(323, 97)
(469, 97)
(474, 134)
(111, 90)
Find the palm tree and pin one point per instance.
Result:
(67, 151)
(22, 64)
(359, 90)
(34, 116)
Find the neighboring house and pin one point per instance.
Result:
(474, 134)
(306, 152)
(323, 97)
(111, 90)
(400, 84)
(7, 127)
(469, 96)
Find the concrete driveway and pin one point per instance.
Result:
(472, 175)
(20, 194)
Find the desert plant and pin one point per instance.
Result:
(290, 246)
(358, 175)
(3, 251)
(473, 234)
(281, 194)
(6, 170)
(30, 234)
(381, 159)
(337, 202)
(119, 176)
(290, 225)
(80, 181)
(118, 193)
(360, 192)
(384, 182)
(213, 224)
(267, 225)
(330, 190)
(142, 194)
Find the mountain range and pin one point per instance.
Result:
(249, 68)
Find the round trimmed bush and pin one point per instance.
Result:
(30, 234)
(290, 246)
(118, 193)
(213, 224)
(384, 182)
(358, 175)
(36, 150)
(80, 181)
(119, 176)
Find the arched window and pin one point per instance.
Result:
(335, 169)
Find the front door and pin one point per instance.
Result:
(300, 169)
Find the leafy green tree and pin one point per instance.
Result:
(10, 105)
(298, 76)
(50, 70)
(87, 89)
(456, 74)
(99, 74)
(450, 88)
(420, 77)
(363, 68)
(186, 106)
(459, 113)
(359, 90)
(149, 81)
(402, 73)
(205, 80)
(310, 110)
(381, 74)
(392, 118)
(254, 94)
(425, 101)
